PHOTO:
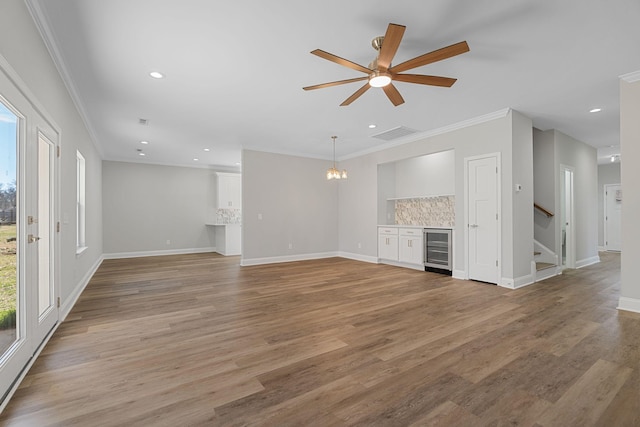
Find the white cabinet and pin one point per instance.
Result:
(229, 190)
(388, 243)
(410, 248)
(228, 239)
(402, 246)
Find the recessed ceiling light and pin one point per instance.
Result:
(156, 75)
(237, 163)
(372, 126)
(195, 159)
(595, 110)
(207, 150)
(141, 154)
(144, 142)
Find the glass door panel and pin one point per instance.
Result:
(9, 278)
(44, 226)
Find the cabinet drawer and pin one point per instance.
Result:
(411, 231)
(388, 231)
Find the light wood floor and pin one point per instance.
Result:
(198, 340)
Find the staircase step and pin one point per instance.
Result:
(543, 265)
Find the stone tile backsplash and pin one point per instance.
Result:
(436, 211)
(228, 216)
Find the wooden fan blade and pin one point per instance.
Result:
(428, 58)
(393, 94)
(336, 83)
(390, 45)
(356, 95)
(341, 61)
(425, 80)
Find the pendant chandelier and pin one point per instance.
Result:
(333, 172)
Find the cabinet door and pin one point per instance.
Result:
(388, 247)
(410, 250)
(229, 191)
(235, 192)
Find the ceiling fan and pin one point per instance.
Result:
(380, 73)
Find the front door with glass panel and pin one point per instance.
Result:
(28, 296)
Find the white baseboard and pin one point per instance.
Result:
(69, 302)
(459, 274)
(629, 304)
(587, 261)
(119, 255)
(601, 249)
(287, 258)
(358, 257)
(518, 282)
(506, 283)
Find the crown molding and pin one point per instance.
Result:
(431, 133)
(40, 19)
(631, 77)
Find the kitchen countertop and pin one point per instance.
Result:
(413, 226)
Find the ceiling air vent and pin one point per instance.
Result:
(395, 133)
(143, 122)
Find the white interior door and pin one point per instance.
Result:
(567, 230)
(612, 217)
(483, 223)
(28, 178)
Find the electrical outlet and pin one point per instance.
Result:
(290, 245)
(259, 217)
(168, 242)
(359, 245)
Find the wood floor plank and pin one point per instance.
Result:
(588, 398)
(198, 340)
(445, 415)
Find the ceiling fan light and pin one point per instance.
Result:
(379, 79)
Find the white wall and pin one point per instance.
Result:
(583, 158)
(22, 47)
(630, 174)
(386, 190)
(358, 195)
(147, 205)
(544, 187)
(297, 205)
(430, 175)
(607, 174)
(522, 214)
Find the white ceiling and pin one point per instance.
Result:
(235, 71)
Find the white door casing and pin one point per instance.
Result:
(483, 219)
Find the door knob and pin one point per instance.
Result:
(31, 238)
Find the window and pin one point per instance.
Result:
(80, 204)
